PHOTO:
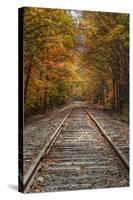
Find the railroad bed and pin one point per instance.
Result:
(36, 136)
(79, 158)
(116, 130)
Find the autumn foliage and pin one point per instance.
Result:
(70, 54)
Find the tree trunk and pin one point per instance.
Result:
(114, 95)
(51, 102)
(45, 96)
(118, 90)
(27, 80)
(45, 100)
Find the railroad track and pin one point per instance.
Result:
(78, 156)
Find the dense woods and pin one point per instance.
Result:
(107, 56)
(75, 54)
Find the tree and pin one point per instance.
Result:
(49, 44)
(106, 50)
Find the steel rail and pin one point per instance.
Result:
(103, 132)
(28, 178)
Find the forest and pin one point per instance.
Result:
(75, 55)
